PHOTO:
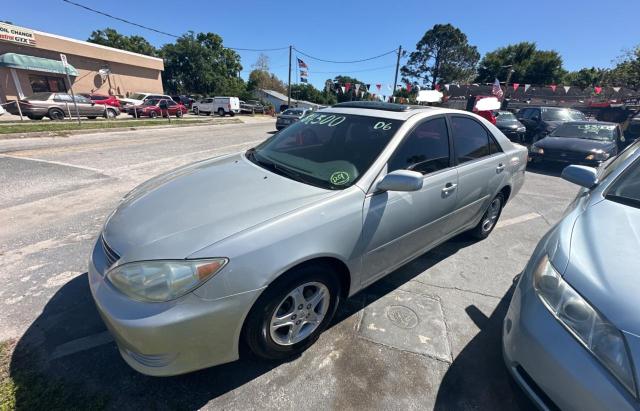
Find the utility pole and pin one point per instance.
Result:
(395, 80)
(506, 83)
(289, 94)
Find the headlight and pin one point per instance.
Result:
(597, 154)
(536, 150)
(588, 326)
(163, 280)
(521, 129)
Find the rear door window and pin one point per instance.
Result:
(470, 139)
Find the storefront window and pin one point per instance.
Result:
(40, 84)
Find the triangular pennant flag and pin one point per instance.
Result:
(566, 89)
(515, 86)
(409, 87)
(378, 86)
(384, 98)
(526, 87)
(347, 86)
(438, 87)
(357, 87)
(447, 86)
(616, 89)
(597, 89)
(553, 87)
(343, 89)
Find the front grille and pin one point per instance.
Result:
(109, 254)
(564, 155)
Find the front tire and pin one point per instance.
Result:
(111, 114)
(196, 111)
(221, 112)
(56, 114)
(489, 218)
(179, 113)
(293, 312)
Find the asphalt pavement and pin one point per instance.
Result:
(425, 337)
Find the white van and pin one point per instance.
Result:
(219, 105)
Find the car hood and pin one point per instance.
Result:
(289, 116)
(604, 261)
(178, 213)
(575, 144)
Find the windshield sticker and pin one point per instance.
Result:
(382, 125)
(339, 178)
(330, 120)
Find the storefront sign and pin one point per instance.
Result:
(18, 35)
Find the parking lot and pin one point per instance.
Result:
(426, 336)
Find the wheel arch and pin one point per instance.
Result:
(506, 192)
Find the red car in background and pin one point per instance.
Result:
(103, 99)
(151, 108)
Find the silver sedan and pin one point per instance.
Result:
(259, 248)
(571, 336)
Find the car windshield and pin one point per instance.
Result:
(505, 116)
(328, 150)
(626, 189)
(137, 96)
(38, 96)
(292, 112)
(561, 114)
(595, 131)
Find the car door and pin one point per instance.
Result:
(88, 107)
(172, 107)
(481, 165)
(398, 226)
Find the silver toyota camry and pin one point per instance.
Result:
(259, 248)
(571, 336)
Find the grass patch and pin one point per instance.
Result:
(23, 387)
(62, 126)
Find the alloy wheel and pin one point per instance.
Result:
(492, 214)
(300, 313)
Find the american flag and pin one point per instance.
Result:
(497, 90)
(302, 64)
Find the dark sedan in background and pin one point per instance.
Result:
(540, 121)
(579, 142)
(507, 122)
(290, 116)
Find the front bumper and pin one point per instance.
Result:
(549, 364)
(536, 157)
(176, 337)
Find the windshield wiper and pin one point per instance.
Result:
(282, 170)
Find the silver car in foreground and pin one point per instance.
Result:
(571, 337)
(259, 248)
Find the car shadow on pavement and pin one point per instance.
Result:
(91, 373)
(547, 169)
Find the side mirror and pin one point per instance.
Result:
(401, 180)
(581, 175)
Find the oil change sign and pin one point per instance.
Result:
(18, 35)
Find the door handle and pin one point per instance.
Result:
(500, 167)
(448, 188)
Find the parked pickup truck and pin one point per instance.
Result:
(251, 106)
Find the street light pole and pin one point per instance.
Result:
(506, 84)
(395, 80)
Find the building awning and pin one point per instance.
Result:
(21, 61)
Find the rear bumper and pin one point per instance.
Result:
(550, 365)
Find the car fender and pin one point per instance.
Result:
(260, 254)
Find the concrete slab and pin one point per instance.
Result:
(409, 322)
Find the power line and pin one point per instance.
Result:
(352, 71)
(346, 62)
(156, 30)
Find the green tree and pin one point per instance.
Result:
(626, 73)
(308, 92)
(351, 94)
(111, 38)
(443, 55)
(199, 64)
(529, 65)
(261, 79)
(585, 78)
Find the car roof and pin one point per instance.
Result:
(551, 107)
(385, 110)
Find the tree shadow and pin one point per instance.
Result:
(99, 370)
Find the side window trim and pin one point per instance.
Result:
(418, 124)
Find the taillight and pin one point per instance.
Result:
(229, 106)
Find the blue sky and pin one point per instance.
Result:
(586, 33)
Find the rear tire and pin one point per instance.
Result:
(221, 112)
(56, 114)
(153, 114)
(489, 218)
(283, 323)
(179, 113)
(110, 114)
